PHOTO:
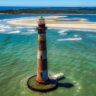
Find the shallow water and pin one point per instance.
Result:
(76, 58)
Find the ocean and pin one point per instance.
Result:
(71, 51)
(37, 7)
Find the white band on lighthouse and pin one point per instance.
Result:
(42, 54)
(39, 54)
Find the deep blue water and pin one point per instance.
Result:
(53, 8)
(11, 16)
(89, 17)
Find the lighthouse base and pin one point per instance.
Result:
(34, 85)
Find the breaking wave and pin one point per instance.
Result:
(62, 31)
(70, 39)
(22, 30)
(13, 32)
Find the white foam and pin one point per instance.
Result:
(4, 27)
(27, 33)
(65, 16)
(62, 31)
(31, 30)
(8, 29)
(5, 20)
(76, 29)
(75, 35)
(19, 27)
(2, 30)
(13, 32)
(85, 30)
(70, 39)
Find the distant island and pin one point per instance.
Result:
(51, 11)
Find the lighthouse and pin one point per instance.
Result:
(41, 81)
(42, 71)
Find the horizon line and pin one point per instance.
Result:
(42, 6)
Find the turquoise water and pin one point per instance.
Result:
(71, 51)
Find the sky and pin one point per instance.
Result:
(64, 3)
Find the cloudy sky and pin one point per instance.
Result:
(48, 3)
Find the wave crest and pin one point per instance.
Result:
(70, 39)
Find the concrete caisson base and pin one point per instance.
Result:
(33, 85)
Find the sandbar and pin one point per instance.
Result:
(55, 21)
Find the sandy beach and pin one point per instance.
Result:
(55, 21)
